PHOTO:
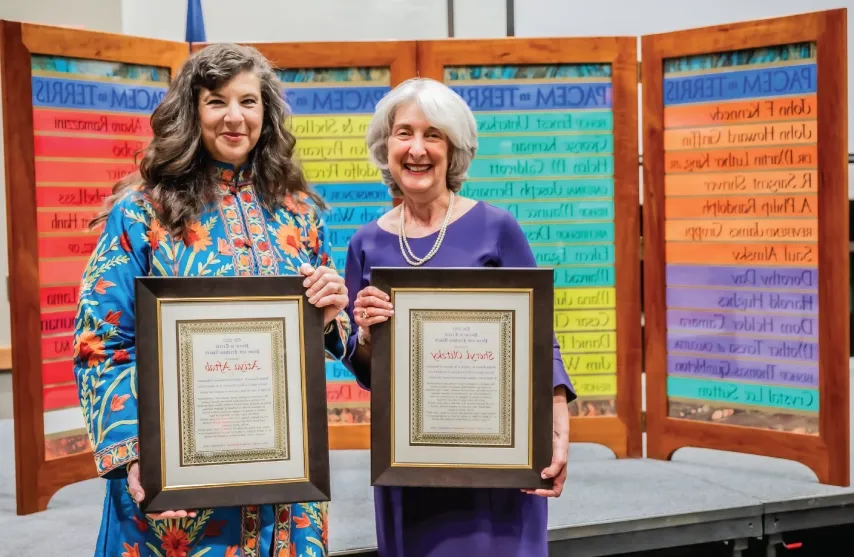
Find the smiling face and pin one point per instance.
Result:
(231, 118)
(417, 152)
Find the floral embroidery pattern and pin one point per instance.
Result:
(235, 235)
(251, 527)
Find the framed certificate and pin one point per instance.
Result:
(232, 392)
(461, 378)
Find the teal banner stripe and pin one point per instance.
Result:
(583, 277)
(540, 213)
(520, 145)
(335, 371)
(546, 167)
(549, 256)
(768, 396)
(544, 122)
(571, 233)
(540, 190)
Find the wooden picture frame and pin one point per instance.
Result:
(400, 59)
(622, 433)
(277, 311)
(469, 291)
(826, 453)
(39, 477)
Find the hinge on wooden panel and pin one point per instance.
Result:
(643, 421)
(639, 72)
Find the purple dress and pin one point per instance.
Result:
(434, 522)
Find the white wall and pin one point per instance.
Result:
(96, 15)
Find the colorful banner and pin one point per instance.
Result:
(741, 230)
(332, 109)
(91, 119)
(545, 155)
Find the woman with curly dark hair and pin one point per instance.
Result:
(218, 193)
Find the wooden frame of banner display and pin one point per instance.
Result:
(39, 72)
(583, 91)
(375, 67)
(745, 169)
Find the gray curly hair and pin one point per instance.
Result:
(444, 109)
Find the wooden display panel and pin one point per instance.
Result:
(746, 240)
(75, 110)
(332, 89)
(558, 147)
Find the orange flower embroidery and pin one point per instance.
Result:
(312, 238)
(197, 237)
(155, 235)
(302, 521)
(224, 247)
(89, 348)
(232, 551)
(102, 285)
(295, 206)
(112, 317)
(124, 240)
(175, 542)
(118, 402)
(130, 551)
(121, 357)
(288, 240)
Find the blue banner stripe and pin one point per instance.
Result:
(82, 94)
(334, 100)
(536, 96)
(745, 84)
(335, 371)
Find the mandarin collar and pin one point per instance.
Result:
(226, 172)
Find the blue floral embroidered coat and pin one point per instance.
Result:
(234, 236)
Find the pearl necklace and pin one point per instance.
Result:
(408, 255)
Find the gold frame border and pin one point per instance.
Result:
(530, 293)
(300, 301)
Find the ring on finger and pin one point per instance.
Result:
(364, 314)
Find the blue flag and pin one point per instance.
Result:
(195, 22)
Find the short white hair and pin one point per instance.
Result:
(444, 109)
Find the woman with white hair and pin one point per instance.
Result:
(423, 137)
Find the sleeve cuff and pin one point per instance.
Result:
(336, 334)
(111, 462)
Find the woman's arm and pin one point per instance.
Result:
(104, 335)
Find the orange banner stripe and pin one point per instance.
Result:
(723, 160)
(786, 181)
(753, 135)
(738, 206)
(717, 113)
(62, 271)
(770, 230)
(753, 255)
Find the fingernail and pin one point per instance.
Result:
(391, 312)
(305, 282)
(311, 300)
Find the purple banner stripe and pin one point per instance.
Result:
(743, 323)
(722, 345)
(783, 278)
(743, 370)
(742, 300)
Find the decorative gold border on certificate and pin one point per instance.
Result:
(506, 370)
(186, 373)
(214, 299)
(530, 329)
